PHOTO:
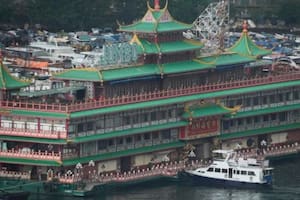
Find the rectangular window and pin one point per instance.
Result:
(240, 122)
(296, 95)
(248, 102)
(111, 142)
(128, 140)
(217, 170)
(265, 100)
(249, 120)
(80, 128)
(244, 172)
(280, 98)
(119, 141)
(288, 96)
(282, 116)
(145, 117)
(224, 171)
(155, 136)
(255, 101)
(126, 120)
(118, 120)
(225, 125)
(138, 138)
(153, 116)
(251, 173)
(165, 134)
(109, 122)
(266, 118)
(89, 126)
(256, 119)
(272, 98)
(210, 169)
(102, 144)
(147, 136)
(273, 117)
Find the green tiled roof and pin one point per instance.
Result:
(185, 66)
(168, 47)
(185, 45)
(29, 162)
(147, 27)
(127, 132)
(263, 111)
(130, 72)
(32, 139)
(206, 110)
(226, 136)
(112, 155)
(156, 21)
(181, 99)
(147, 47)
(39, 114)
(246, 47)
(7, 81)
(80, 74)
(226, 59)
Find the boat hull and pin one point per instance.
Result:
(202, 180)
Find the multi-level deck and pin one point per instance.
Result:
(119, 117)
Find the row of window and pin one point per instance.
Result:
(127, 120)
(264, 98)
(264, 119)
(225, 171)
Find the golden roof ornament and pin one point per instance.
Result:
(156, 5)
(245, 26)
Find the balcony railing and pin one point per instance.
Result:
(33, 133)
(15, 175)
(12, 153)
(107, 102)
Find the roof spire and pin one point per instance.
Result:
(245, 26)
(156, 5)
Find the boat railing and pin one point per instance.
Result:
(155, 95)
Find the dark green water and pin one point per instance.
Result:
(286, 187)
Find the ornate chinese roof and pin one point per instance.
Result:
(144, 46)
(156, 20)
(226, 59)
(7, 81)
(80, 74)
(246, 47)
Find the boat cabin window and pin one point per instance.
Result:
(217, 170)
(244, 172)
(236, 171)
(251, 173)
(267, 172)
(210, 169)
(224, 171)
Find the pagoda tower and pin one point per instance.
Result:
(160, 37)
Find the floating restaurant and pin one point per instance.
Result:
(146, 103)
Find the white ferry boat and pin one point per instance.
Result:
(229, 170)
